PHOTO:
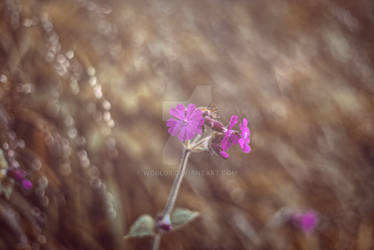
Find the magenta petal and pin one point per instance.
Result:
(172, 122)
(245, 123)
(224, 154)
(190, 110)
(178, 112)
(190, 134)
(233, 121)
(196, 115)
(225, 142)
(174, 130)
(234, 139)
(183, 134)
(246, 148)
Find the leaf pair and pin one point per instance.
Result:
(145, 225)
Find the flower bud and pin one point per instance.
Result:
(215, 145)
(164, 223)
(214, 124)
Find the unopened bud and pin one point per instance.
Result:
(214, 124)
(215, 145)
(165, 223)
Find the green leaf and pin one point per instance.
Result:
(182, 216)
(143, 226)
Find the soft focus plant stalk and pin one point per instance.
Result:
(173, 193)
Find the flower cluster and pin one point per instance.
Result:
(189, 122)
(20, 176)
(305, 221)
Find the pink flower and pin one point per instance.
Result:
(244, 139)
(306, 221)
(230, 138)
(27, 184)
(188, 123)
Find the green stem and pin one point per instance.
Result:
(173, 193)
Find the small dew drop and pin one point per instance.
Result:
(45, 201)
(107, 116)
(70, 54)
(27, 22)
(40, 191)
(95, 182)
(43, 182)
(50, 56)
(15, 164)
(35, 211)
(21, 143)
(106, 10)
(42, 239)
(74, 86)
(112, 213)
(111, 123)
(93, 171)
(93, 81)
(69, 121)
(72, 133)
(11, 153)
(61, 58)
(3, 78)
(80, 141)
(36, 164)
(83, 158)
(111, 143)
(91, 71)
(47, 26)
(85, 162)
(25, 88)
(106, 105)
(98, 92)
(12, 135)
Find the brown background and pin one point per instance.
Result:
(84, 87)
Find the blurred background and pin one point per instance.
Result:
(85, 88)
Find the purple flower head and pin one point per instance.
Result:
(244, 139)
(306, 221)
(187, 122)
(230, 138)
(27, 184)
(214, 124)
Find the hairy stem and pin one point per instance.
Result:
(156, 242)
(177, 183)
(173, 193)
